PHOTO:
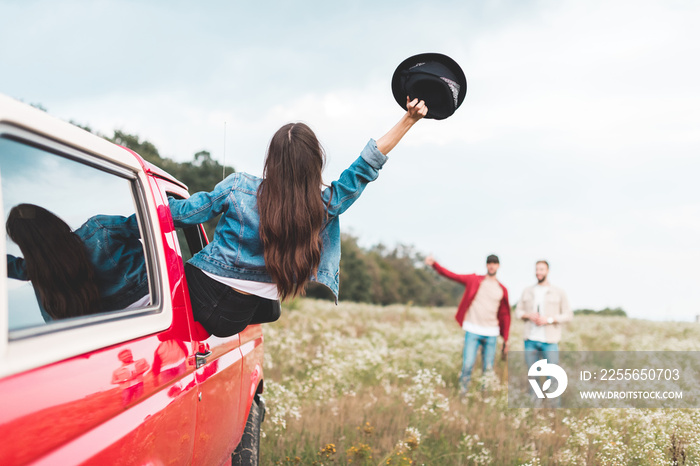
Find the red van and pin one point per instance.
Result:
(124, 376)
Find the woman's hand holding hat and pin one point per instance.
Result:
(415, 109)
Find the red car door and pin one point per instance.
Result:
(220, 417)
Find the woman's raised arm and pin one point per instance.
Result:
(415, 110)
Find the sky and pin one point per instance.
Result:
(578, 141)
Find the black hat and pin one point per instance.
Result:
(433, 77)
(492, 259)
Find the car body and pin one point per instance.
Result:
(144, 384)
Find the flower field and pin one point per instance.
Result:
(370, 385)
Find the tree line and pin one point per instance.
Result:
(202, 173)
(382, 275)
(607, 312)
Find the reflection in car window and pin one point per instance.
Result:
(74, 247)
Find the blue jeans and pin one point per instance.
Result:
(472, 342)
(536, 350)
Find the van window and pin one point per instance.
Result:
(73, 242)
(191, 241)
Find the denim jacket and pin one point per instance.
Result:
(113, 246)
(236, 250)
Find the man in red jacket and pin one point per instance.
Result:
(483, 313)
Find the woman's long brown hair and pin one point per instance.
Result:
(56, 262)
(292, 212)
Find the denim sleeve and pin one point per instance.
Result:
(116, 225)
(345, 190)
(126, 227)
(201, 206)
(16, 268)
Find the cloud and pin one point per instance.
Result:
(577, 139)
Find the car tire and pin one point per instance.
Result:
(247, 452)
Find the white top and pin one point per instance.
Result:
(537, 332)
(481, 330)
(262, 289)
(139, 303)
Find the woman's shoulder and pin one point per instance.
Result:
(243, 182)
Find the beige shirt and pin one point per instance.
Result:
(556, 306)
(483, 311)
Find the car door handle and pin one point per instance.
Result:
(201, 358)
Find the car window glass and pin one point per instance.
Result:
(184, 247)
(74, 247)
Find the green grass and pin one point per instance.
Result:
(366, 385)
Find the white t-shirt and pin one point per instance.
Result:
(262, 289)
(481, 330)
(139, 303)
(537, 332)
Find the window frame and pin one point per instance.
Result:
(71, 337)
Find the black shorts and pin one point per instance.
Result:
(223, 311)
